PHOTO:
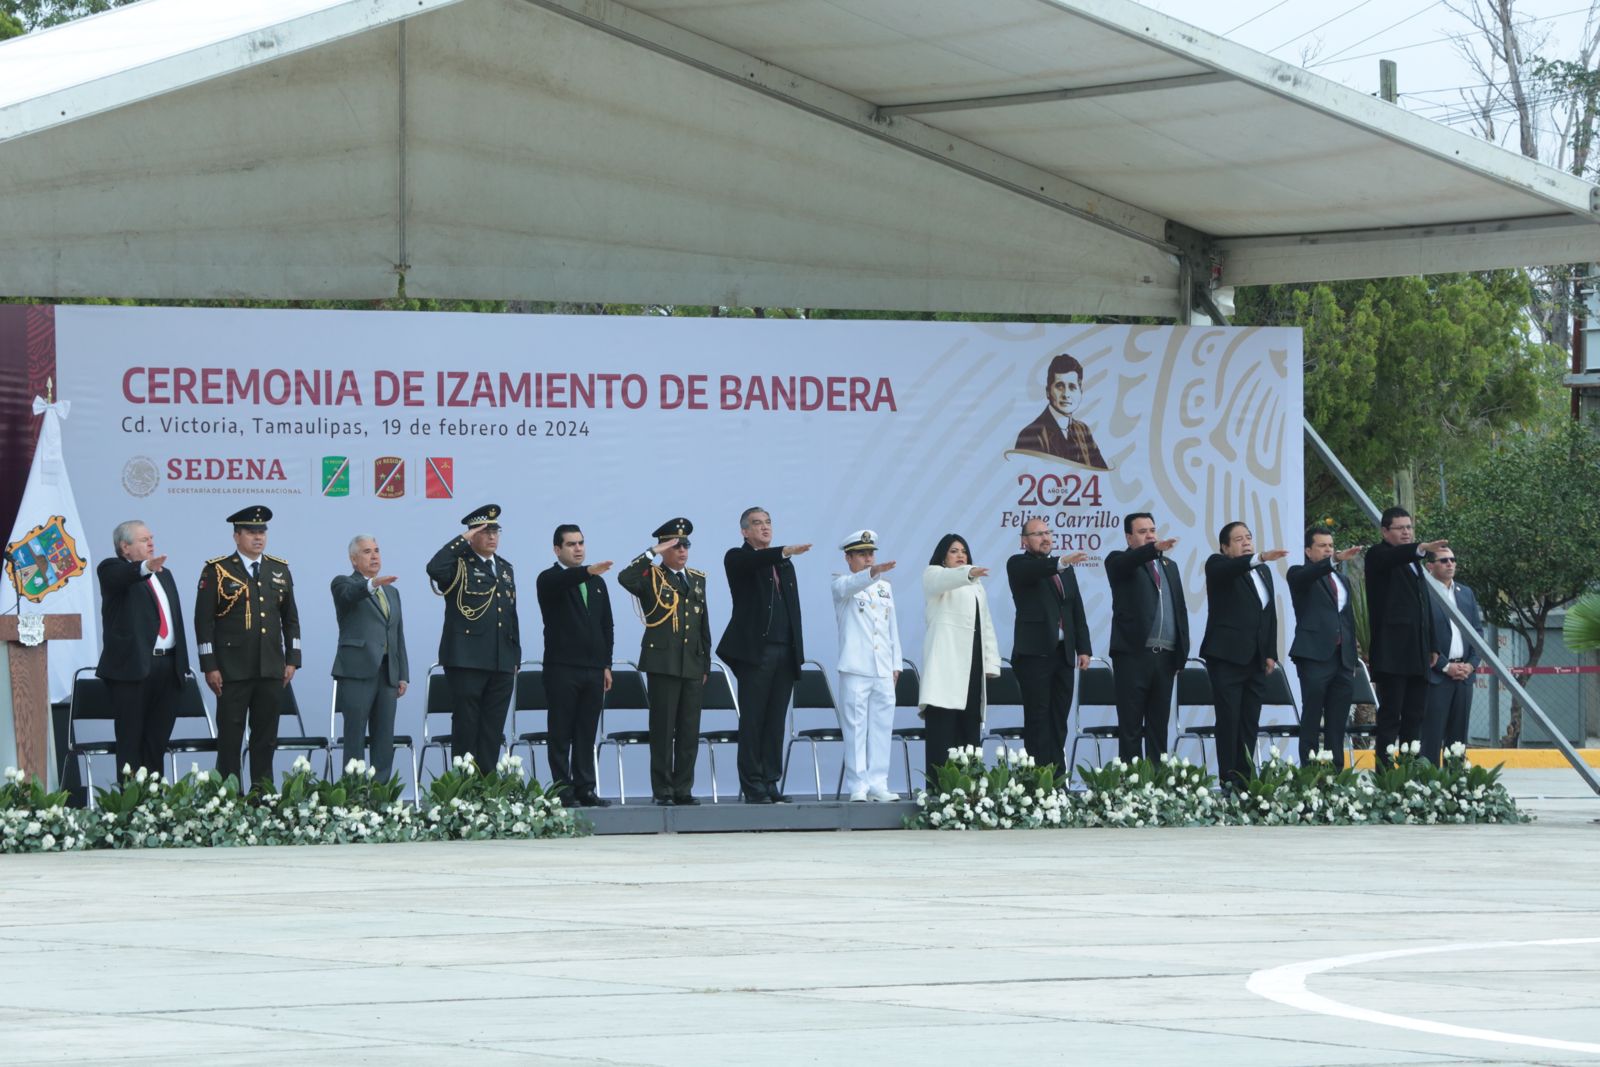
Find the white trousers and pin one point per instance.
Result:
(866, 717)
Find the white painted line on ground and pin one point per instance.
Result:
(1287, 985)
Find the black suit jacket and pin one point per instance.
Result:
(1401, 623)
(749, 573)
(575, 635)
(1239, 628)
(129, 620)
(1467, 602)
(1321, 631)
(1045, 616)
(1134, 599)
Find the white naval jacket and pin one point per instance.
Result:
(955, 598)
(869, 635)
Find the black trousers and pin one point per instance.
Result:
(1402, 701)
(255, 699)
(948, 728)
(575, 696)
(479, 702)
(1236, 692)
(764, 691)
(1143, 682)
(674, 733)
(145, 711)
(1046, 683)
(1446, 715)
(1326, 688)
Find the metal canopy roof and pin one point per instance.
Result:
(1003, 155)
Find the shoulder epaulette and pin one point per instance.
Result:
(277, 559)
(698, 574)
(219, 559)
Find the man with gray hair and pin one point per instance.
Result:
(145, 659)
(370, 667)
(763, 646)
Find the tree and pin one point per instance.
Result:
(1525, 525)
(30, 15)
(1405, 374)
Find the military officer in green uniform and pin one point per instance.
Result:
(481, 644)
(247, 630)
(675, 655)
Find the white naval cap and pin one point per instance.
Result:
(861, 541)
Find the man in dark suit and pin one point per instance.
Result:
(1400, 626)
(1050, 640)
(1055, 432)
(1324, 646)
(145, 659)
(577, 662)
(1240, 646)
(371, 664)
(675, 655)
(763, 647)
(247, 631)
(1149, 635)
(481, 644)
(1448, 708)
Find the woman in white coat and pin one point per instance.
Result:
(958, 652)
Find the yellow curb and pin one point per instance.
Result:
(1511, 758)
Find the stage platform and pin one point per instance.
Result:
(732, 816)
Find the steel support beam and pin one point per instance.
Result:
(1051, 96)
(1501, 671)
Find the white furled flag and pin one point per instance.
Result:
(47, 565)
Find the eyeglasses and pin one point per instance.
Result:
(1447, 559)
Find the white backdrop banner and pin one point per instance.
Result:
(398, 424)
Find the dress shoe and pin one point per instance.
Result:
(883, 796)
(756, 798)
(663, 802)
(593, 800)
(779, 798)
(686, 802)
(858, 796)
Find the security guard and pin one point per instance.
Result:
(675, 655)
(481, 644)
(247, 630)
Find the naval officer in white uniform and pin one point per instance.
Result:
(869, 666)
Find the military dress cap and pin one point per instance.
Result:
(680, 528)
(488, 514)
(254, 515)
(861, 541)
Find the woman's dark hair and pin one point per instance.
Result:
(944, 546)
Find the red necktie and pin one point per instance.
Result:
(160, 611)
(1155, 572)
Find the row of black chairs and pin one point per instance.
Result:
(813, 692)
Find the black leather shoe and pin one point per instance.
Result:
(779, 798)
(592, 800)
(663, 802)
(759, 798)
(686, 802)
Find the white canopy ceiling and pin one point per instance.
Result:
(1020, 156)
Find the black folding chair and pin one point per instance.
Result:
(530, 697)
(812, 692)
(439, 703)
(405, 741)
(1363, 692)
(192, 706)
(299, 740)
(90, 702)
(1194, 692)
(1279, 732)
(1096, 688)
(628, 693)
(907, 694)
(1003, 692)
(719, 697)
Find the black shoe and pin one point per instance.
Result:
(663, 802)
(592, 800)
(779, 798)
(686, 802)
(756, 798)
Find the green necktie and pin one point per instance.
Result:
(383, 601)
(583, 591)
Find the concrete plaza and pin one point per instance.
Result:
(1083, 947)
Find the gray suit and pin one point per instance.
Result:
(370, 665)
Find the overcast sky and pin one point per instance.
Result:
(1343, 40)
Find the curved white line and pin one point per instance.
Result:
(1287, 985)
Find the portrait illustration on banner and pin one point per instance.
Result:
(1058, 433)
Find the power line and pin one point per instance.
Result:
(1252, 18)
(1433, 40)
(1386, 29)
(1347, 11)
